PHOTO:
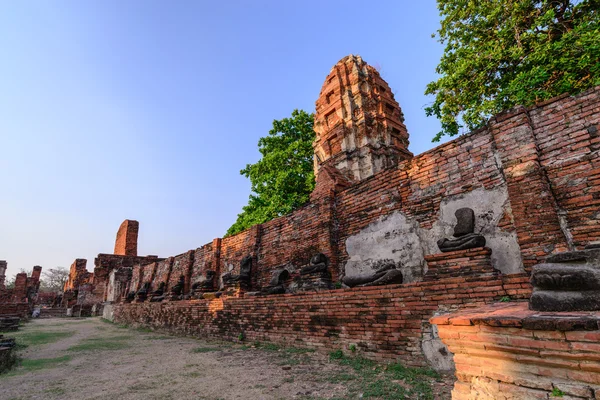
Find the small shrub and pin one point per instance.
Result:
(556, 392)
(352, 348)
(338, 285)
(336, 355)
(204, 349)
(505, 299)
(241, 337)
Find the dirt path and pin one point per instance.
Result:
(93, 359)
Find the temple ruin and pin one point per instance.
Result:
(424, 260)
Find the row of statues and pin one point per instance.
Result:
(315, 275)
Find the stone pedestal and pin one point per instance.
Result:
(568, 281)
(453, 264)
(505, 351)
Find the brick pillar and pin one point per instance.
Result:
(532, 201)
(37, 271)
(127, 236)
(20, 290)
(3, 267)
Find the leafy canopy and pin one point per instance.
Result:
(502, 53)
(283, 178)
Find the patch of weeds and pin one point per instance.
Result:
(43, 363)
(259, 386)
(352, 348)
(100, 344)
(194, 374)
(123, 326)
(394, 381)
(385, 389)
(288, 380)
(357, 363)
(399, 371)
(338, 285)
(336, 355)
(245, 347)
(157, 338)
(191, 365)
(36, 338)
(271, 347)
(298, 350)
(144, 329)
(341, 377)
(58, 391)
(204, 349)
(556, 392)
(505, 299)
(289, 361)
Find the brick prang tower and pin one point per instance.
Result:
(359, 125)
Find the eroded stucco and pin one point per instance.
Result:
(401, 239)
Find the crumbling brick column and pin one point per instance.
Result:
(127, 236)
(3, 267)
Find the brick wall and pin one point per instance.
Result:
(506, 351)
(545, 158)
(19, 309)
(384, 322)
(567, 132)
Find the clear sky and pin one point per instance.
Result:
(148, 110)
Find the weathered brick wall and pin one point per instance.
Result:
(206, 258)
(148, 274)
(531, 175)
(506, 351)
(235, 248)
(19, 309)
(104, 264)
(384, 322)
(182, 265)
(162, 272)
(291, 241)
(567, 132)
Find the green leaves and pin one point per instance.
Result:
(503, 53)
(283, 178)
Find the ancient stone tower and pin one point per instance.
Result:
(359, 124)
(127, 236)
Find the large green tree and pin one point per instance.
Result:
(502, 53)
(283, 178)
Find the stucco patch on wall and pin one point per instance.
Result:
(399, 238)
(393, 237)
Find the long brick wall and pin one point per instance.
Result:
(532, 176)
(383, 322)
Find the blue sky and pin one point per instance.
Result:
(149, 109)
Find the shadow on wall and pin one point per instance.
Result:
(401, 239)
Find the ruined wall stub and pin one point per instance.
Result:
(127, 236)
(358, 123)
(3, 266)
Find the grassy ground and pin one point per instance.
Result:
(93, 359)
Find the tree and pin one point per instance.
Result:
(53, 280)
(503, 53)
(283, 178)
